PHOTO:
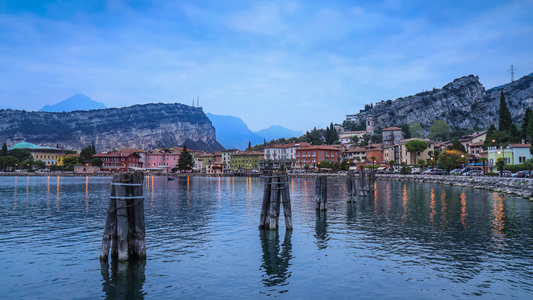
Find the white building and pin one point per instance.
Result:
(283, 152)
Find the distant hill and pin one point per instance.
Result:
(76, 102)
(275, 132)
(233, 133)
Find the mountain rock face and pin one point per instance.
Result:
(140, 126)
(76, 102)
(463, 103)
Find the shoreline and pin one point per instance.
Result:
(522, 187)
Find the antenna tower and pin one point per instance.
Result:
(512, 69)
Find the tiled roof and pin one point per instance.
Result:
(392, 128)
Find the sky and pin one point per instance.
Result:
(298, 64)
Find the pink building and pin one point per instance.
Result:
(164, 160)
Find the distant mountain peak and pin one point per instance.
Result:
(275, 132)
(76, 102)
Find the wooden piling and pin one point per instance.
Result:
(361, 186)
(125, 228)
(276, 188)
(275, 197)
(286, 200)
(321, 190)
(351, 190)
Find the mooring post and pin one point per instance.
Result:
(275, 199)
(321, 192)
(264, 222)
(125, 227)
(287, 211)
(371, 179)
(362, 183)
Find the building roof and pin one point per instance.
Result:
(116, 154)
(320, 147)
(245, 153)
(520, 145)
(289, 145)
(472, 136)
(477, 144)
(392, 129)
(137, 150)
(26, 145)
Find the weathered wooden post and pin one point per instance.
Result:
(276, 188)
(351, 191)
(263, 221)
(371, 179)
(361, 187)
(125, 229)
(275, 199)
(321, 190)
(286, 200)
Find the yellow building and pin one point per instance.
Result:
(47, 154)
(400, 154)
(246, 160)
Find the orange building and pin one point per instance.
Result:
(375, 150)
(315, 154)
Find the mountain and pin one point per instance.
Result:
(76, 102)
(275, 132)
(233, 133)
(139, 126)
(463, 104)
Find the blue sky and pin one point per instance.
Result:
(298, 64)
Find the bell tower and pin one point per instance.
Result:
(370, 125)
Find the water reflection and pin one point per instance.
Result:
(276, 258)
(498, 221)
(123, 280)
(321, 232)
(464, 214)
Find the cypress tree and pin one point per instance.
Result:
(4, 150)
(490, 134)
(506, 121)
(525, 124)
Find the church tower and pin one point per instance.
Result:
(369, 125)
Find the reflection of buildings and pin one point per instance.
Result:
(275, 258)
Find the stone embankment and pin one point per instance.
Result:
(522, 187)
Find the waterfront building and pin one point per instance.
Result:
(520, 153)
(392, 135)
(354, 153)
(473, 140)
(283, 152)
(119, 161)
(494, 152)
(377, 151)
(46, 154)
(246, 161)
(226, 159)
(403, 156)
(313, 155)
(142, 154)
(164, 160)
(61, 158)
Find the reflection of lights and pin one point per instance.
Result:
(498, 221)
(404, 201)
(57, 202)
(443, 208)
(463, 209)
(432, 205)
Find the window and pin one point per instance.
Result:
(521, 159)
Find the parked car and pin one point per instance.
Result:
(428, 172)
(465, 170)
(455, 172)
(474, 173)
(522, 174)
(439, 172)
(415, 171)
(505, 173)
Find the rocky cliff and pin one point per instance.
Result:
(463, 103)
(139, 126)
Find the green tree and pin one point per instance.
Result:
(39, 164)
(20, 154)
(249, 144)
(4, 150)
(440, 130)
(414, 147)
(505, 119)
(8, 162)
(450, 159)
(71, 160)
(354, 139)
(490, 136)
(86, 154)
(421, 163)
(186, 161)
(27, 164)
(97, 162)
(529, 164)
(500, 162)
(458, 146)
(525, 124)
(415, 129)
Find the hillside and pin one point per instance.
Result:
(463, 103)
(275, 132)
(233, 133)
(140, 126)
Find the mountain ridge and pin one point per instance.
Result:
(76, 102)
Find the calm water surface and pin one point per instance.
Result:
(405, 241)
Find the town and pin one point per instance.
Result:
(389, 150)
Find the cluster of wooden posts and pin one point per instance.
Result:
(361, 185)
(276, 193)
(124, 231)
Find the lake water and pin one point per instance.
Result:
(405, 241)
